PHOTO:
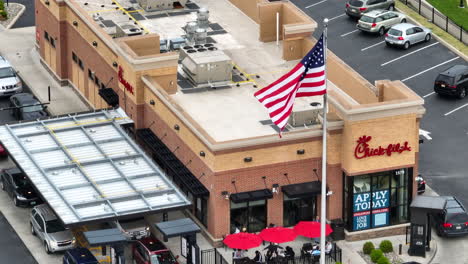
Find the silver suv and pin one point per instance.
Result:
(48, 228)
(379, 21)
(355, 8)
(134, 228)
(10, 82)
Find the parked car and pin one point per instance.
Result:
(133, 228)
(421, 184)
(452, 81)
(149, 250)
(404, 35)
(48, 228)
(453, 221)
(79, 256)
(3, 151)
(10, 83)
(355, 8)
(17, 185)
(379, 21)
(26, 106)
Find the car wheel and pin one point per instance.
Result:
(381, 31)
(462, 94)
(391, 8)
(32, 229)
(427, 38)
(388, 44)
(403, 20)
(15, 201)
(438, 232)
(46, 247)
(406, 45)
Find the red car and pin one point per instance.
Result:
(149, 250)
(3, 152)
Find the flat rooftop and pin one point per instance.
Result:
(225, 114)
(87, 168)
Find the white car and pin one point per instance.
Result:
(404, 35)
(10, 83)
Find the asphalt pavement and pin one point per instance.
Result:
(442, 160)
(28, 17)
(13, 249)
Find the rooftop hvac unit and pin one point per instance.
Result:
(176, 43)
(163, 46)
(200, 36)
(308, 117)
(206, 66)
(127, 29)
(156, 5)
(202, 17)
(190, 29)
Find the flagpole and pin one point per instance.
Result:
(323, 207)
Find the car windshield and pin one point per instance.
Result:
(456, 216)
(367, 19)
(7, 72)
(356, 3)
(32, 108)
(164, 257)
(20, 180)
(54, 226)
(394, 32)
(446, 79)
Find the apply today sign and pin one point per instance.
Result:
(362, 206)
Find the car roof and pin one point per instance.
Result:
(4, 63)
(403, 26)
(455, 70)
(377, 12)
(82, 255)
(152, 244)
(25, 98)
(46, 212)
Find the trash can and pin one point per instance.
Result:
(338, 229)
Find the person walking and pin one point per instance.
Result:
(258, 257)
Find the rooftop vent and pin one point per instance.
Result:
(156, 5)
(202, 17)
(200, 36)
(127, 29)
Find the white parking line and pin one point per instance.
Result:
(430, 69)
(429, 94)
(456, 109)
(383, 64)
(373, 45)
(345, 34)
(337, 17)
(316, 3)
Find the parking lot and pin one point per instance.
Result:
(442, 159)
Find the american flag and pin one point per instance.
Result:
(307, 78)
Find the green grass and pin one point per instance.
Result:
(435, 29)
(451, 9)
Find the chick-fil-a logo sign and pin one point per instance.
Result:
(124, 82)
(363, 150)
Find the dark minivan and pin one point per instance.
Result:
(79, 256)
(453, 221)
(453, 81)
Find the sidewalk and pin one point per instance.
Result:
(18, 46)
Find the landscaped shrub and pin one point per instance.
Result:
(2, 5)
(375, 255)
(3, 14)
(386, 246)
(383, 260)
(368, 247)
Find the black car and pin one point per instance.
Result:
(26, 106)
(421, 184)
(453, 221)
(453, 81)
(17, 185)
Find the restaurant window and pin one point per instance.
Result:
(80, 63)
(46, 35)
(52, 42)
(96, 80)
(201, 210)
(377, 199)
(74, 57)
(90, 75)
(298, 209)
(250, 215)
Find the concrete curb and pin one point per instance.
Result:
(435, 252)
(20, 13)
(439, 38)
